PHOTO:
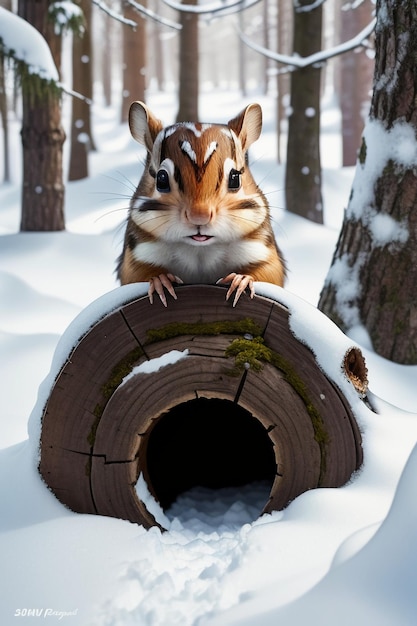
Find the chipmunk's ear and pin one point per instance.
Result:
(247, 125)
(143, 125)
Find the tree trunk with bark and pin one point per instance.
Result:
(356, 70)
(303, 170)
(107, 51)
(372, 282)
(82, 83)
(4, 109)
(4, 114)
(189, 74)
(134, 60)
(42, 136)
(284, 28)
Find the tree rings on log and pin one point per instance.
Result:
(199, 393)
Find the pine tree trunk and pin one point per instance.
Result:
(189, 74)
(42, 139)
(373, 278)
(285, 25)
(356, 70)
(107, 58)
(303, 170)
(82, 83)
(134, 60)
(6, 4)
(5, 122)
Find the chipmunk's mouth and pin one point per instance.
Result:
(200, 239)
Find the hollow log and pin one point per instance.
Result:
(199, 393)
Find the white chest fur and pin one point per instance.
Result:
(205, 264)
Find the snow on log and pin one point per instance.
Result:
(199, 393)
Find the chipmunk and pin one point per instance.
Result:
(197, 215)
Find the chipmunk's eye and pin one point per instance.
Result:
(234, 180)
(162, 181)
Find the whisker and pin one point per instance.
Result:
(115, 196)
(160, 223)
(107, 213)
(126, 182)
(241, 218)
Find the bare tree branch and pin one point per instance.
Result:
(306, 8)
(103, 7)
(318, 57)
(218, 6)
(141, 9)
(153, 16)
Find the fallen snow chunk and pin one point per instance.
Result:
(154, 365)
(384, 230)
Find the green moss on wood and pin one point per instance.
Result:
(251, 354)
(119, 371)
(98, 412)
(225, 327)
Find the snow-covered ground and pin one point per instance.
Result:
(345, 556)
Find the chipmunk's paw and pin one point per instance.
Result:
(159, 283)
(238, 284)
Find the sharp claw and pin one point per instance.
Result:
(150, 291)
(166, 282)
(175, 279)
(239, 291)
(159, 283)
(239, 282)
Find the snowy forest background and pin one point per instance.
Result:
(352, 550)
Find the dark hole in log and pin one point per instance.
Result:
(211, 443)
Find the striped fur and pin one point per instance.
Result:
(197, 212)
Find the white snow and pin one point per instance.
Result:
(154, 365)
(27, 44)
(345, 556)
(149, 501)
(384, 230)
(68, 10)
(397, 144)
(345, 275)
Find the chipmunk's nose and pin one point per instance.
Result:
(200, 215)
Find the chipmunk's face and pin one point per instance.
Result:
(197, 189)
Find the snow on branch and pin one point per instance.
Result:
(153, 16)
(23, 43)
(306, 8)
(218, 6)
(114, 14)
(317, 57)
